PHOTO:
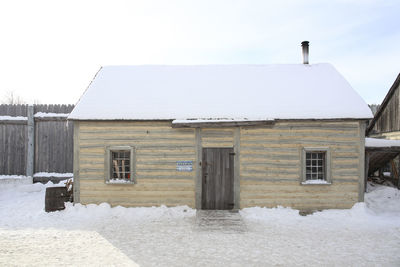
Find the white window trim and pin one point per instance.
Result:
(328, 174)
(107, 163)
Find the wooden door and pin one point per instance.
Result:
(217, 179)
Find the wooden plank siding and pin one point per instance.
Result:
(52, 145)
(157, 148)
(270, 165)
(13, 149)
(13, 140)
(387, 118)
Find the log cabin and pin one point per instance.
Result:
(220, 137)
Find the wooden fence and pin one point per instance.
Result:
(35, 139)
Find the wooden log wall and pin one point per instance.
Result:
(53, 140)
(267, 163)
(157, 148)
(270, 165)
(217, 137)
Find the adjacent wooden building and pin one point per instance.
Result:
(220, 137)
(386, 122)
(386, 125)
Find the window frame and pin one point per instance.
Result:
(327, 167)
(108, 164)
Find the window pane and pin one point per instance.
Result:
(315, 165)
(120, 161)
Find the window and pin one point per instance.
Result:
(315, 165)
(316, 162)
(120, 165)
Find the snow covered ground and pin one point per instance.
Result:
(98, 235)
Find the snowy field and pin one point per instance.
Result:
(97, 235)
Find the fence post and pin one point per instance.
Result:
(31, 148)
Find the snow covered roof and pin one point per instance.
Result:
(376, 142)
(251, 92)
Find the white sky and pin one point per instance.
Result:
(51, 50)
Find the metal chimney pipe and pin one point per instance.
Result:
(304, 45)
